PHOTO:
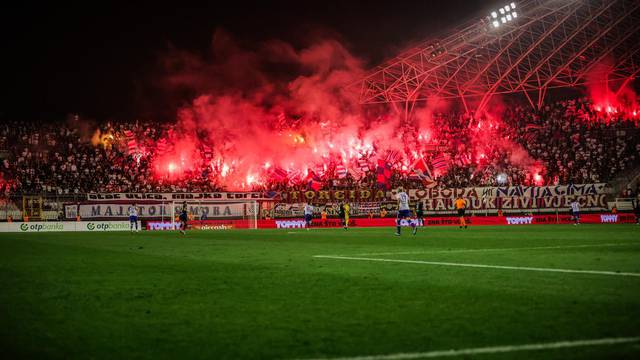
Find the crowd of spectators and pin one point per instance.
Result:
(62, 159)
(565, 142)
(579, 142)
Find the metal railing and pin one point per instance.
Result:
(36, 206)
(625, 204)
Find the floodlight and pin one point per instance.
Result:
(507, 14)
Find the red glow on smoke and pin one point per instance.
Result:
(172, 166)
(537, 170)
(278, 123)
(610, 99)
(537, 179)
(247, 127)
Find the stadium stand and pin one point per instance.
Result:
(582, 145)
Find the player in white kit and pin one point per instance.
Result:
(575, 211)
(404, 211)
(133, 217)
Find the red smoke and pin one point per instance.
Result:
(609, 98)
(284, 108)
(255, 121)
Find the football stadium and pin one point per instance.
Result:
(354, 182)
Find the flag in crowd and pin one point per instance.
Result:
(341, 171)
(439, 161)
(383, 171)
(132, 144)
(162, 146)
(294, 176)
(464, 159)
(360, 169)
(363, 165)
(393, 156)
(355, 172)
(279, 174)
(421, 171)
(313, 181)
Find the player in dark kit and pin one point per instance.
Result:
(420, 213)
(342, 215)
(183, 218)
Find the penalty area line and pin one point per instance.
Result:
(501, 267)
(493, 349)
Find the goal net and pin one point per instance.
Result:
(241, 214)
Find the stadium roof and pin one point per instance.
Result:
(545, 44)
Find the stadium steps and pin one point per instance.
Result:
(627, 179)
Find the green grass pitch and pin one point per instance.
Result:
(264, 294)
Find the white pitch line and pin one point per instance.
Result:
(494, 349)
(495, 249)
(524, 268)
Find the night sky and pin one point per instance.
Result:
(100, 59)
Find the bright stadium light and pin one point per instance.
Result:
(507, 14)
